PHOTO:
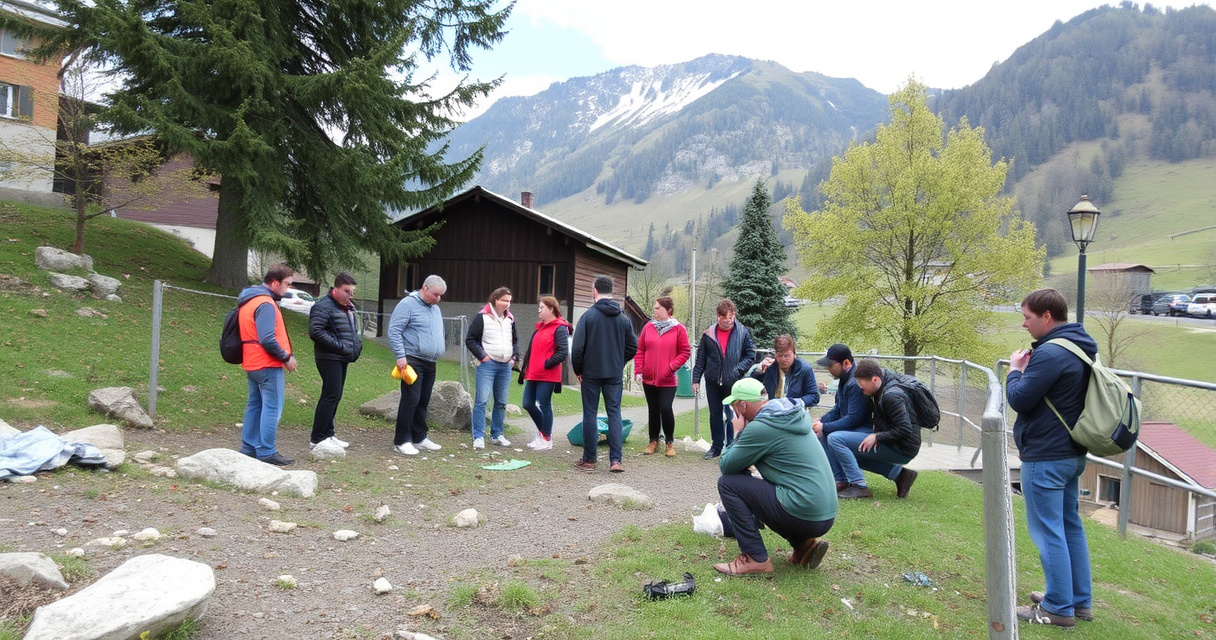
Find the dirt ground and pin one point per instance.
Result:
(539, 512)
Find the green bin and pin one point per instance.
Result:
(684, 381)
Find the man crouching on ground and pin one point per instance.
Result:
(796, 497)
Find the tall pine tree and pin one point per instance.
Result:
(759, 260)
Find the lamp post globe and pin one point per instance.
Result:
(1083, 222)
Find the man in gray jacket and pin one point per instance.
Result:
(415, 334)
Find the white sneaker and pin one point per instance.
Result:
(479, 443)
(407, 449)
(535, 439)
(501, 441)
(428, 445)
(543, 445)
(341, 443)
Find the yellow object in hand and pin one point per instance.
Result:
(409, 376)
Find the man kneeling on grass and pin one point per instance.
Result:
(796, 497)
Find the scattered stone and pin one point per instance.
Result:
(515, 561)
(162, 472)
(147, 594)
(119, 402)
(467, 518)
(147, 535)
(278, 526)
(145, 457)
(231, 468)
(101, 545)
(345, 534)
(32, 569)
(121, 533)
(620, 495)
(582, 560)
(423, 610)
(52, 259)
(514, 410)
(41, 313)
(327, 450)
(206, 532)
(106, 437)
(406, 634)
(89, 312)
(269, 505)
(68, 283)
(382, 512)
(112, 298)
(103, 285)
(22, 479)
(75, 552)
(382, 586)
(60, 532)
(287, 581)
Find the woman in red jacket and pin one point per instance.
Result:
(662, 349)
(541, 372)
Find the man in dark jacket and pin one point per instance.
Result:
(852, 411)
(724, 354)
(603, 343)
(791, 378)
(893, 442)
(333, 325)
(1051, 461)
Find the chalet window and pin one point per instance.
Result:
(16, 101)
(13, 45)
(546, 280)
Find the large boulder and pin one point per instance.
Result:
(451, 407)
(52, 259)
(33, 569)
(153, 594)
(68, 282)
(103, 285)
(383, 407)
(119, 402)
(229, 467)
(106, 437)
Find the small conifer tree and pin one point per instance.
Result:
(753, 282)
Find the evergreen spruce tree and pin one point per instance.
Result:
(758, 262)
(310, 112)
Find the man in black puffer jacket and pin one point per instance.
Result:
(333, 326)
(893, 443)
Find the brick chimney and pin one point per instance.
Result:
(525, 199)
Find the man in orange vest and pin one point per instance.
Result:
(267, 351)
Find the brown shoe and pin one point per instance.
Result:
(809, 553)
(841, 486)
(616, 467)
(651, 448)
(671, 450)
(744, 565)
(584, 466)
(854, 491)
(1036, 614)
(903, 482)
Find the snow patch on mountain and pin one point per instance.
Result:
(652, 97)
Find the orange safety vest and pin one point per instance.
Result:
(255, 357)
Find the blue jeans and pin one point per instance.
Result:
(843, 455)
(611, 389)
(538, 402)
(1050, 490)
(262, 412)
(492, 377)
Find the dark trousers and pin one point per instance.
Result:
(591, 389)
(720, 415)
(658, 401)
(333, 379)
(415, 398)
(748, 500)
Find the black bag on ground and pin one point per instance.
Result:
(925, 412)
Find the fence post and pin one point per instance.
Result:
(962, 402)
(1001, 579)
(1125, 485)
(153, 368)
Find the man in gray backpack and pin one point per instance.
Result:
(1051, 461)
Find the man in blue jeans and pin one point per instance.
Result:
(603, 343)
(1041, 377)
(266, 353)
(893, 442)
(852, 411)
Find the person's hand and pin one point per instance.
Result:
(696, 388)
(738, 423)
(817, 427)
(580, 379)
(402, 363)
(290, 365)
(1019, 359)
(765, 363)
(638, 378)
(823, 387)
(485, 359)
(869, 444)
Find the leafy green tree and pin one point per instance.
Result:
(913, 238)
(758, 262)
(309, 111)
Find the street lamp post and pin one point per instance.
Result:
(1083, 220)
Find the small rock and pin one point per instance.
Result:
(515, 561)
(582, 560)
(23, 479)
(423, 610)
(103, 285)
(345, 534)
(206, 532)
(162, 472)
(382, 586)
(287, 581)
(75, 552)
(89, 312)
(68, 283)
(514, 410)
(326, 450)
(121, 533)
(147, 535)
(406, 634)
(465, 519)
(105, 544)
(61, 532)
(383, 512)
(269, 505)
(282, 527)
(145, 457)
(113, 297)
(620, 495)
(41, 313)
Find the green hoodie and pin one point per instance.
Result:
(780, 444)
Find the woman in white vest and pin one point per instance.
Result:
(493, 341)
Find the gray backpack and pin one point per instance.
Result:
(1110, 420)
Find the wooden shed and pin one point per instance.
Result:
(488, 241)
(1135, 278)
(1166, 450)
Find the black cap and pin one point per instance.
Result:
(836, 353)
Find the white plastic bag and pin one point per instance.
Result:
(708, 522)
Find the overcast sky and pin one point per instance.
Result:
(945, 43)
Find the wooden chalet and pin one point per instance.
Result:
(1166, 450)
(488, 240)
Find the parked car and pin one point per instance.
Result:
(1203, 306)
(1171, 304)
(791, 301)
(1141, 304)
(296, 300)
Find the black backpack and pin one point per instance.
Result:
(232, 348)
(925, 412)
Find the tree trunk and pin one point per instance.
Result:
(230, 258)
(82, 217)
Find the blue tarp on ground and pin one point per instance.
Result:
(40, 450)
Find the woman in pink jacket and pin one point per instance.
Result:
(662, 349)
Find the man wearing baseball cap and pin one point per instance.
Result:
(796, 497)
(852, 412)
